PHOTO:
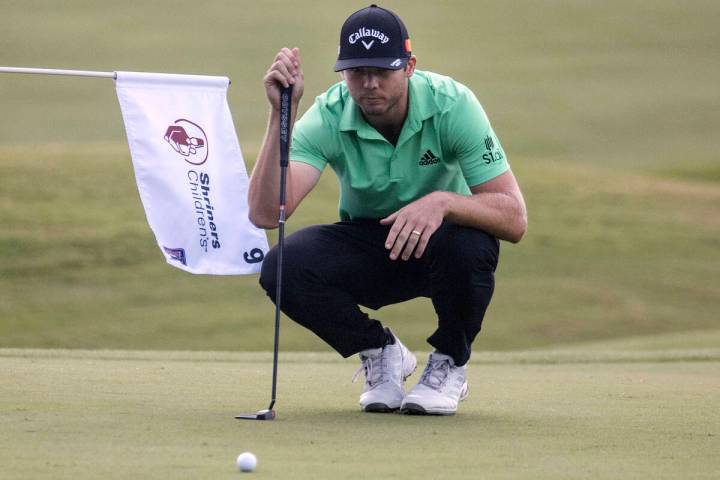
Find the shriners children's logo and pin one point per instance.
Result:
(189, 140)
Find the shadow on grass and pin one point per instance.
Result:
(467, 418)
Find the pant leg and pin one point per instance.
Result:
(328, 270)
(461, 264)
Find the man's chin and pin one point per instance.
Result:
(374, 110)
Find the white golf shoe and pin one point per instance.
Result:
(440, 389)
(385, 372)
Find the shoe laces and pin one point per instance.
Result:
(374, 368)
(436, 373)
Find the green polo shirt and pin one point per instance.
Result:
(446, 144)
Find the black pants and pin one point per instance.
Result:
(328, 270)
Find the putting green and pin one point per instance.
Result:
(558, 414)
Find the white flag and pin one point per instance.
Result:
(190, 171)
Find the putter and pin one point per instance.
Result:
(285, 96)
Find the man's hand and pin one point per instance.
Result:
(496, 207)
(414, 224)
(285, 70)
(264, 187)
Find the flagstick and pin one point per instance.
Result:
(285, 95)
(53, 71)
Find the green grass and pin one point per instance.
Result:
(631, 254)
(709, 173)
(698, 339)
(606, 111)
(625, 84)
(115, 414)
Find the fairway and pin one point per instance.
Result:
(619, 258)
(553, 414)
(607, 112)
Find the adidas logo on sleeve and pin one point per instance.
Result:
(428, 159)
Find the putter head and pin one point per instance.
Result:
(265, 414)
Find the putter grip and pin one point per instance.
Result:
(285, 96)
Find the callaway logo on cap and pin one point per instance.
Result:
(373, 37)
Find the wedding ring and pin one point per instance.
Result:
(415, 232)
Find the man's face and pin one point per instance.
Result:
(377, 91)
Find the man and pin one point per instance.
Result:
(425, 192)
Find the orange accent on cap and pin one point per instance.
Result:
(408, 47)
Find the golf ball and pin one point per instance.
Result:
(246, 462)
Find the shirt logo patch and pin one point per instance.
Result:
(489, 143)
(493, 153)
(428, 159)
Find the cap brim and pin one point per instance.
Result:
(390, 63)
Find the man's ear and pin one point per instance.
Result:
(410, 67)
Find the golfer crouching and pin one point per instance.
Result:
(426, 191)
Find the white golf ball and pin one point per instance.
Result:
(246, 462)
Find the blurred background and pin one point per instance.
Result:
(608, 111)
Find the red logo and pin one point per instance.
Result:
(189, 140)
